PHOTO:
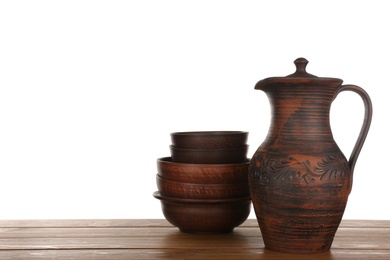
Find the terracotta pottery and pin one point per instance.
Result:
(205, 216)
(209, 139)
(213, 156)
(202, 173)
(299, 179)
(187, 190)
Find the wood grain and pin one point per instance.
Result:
(157, 239)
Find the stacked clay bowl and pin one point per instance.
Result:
(203, 186)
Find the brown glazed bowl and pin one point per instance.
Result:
(186, 190)
(205, 216)
(228, 155)
(202, 173)
(209, 139)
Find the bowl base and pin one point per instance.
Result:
(200, 232)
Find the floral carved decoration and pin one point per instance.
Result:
(291, 169)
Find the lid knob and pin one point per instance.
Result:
(301, 64)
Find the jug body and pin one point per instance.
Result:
(299, 178)
(299, 191)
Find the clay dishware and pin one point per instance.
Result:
(201, 191)
(299, 178)
(209, 139)
(202, 173)
(228, 155)
(205, 216)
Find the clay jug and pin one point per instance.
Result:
(299, 179)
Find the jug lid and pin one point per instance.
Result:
(300, 76)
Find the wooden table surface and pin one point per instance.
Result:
(157, 239)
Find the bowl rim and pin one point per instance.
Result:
(245, 146)
(209, 185)
(158, 196)
(168, 160)
(209, 133)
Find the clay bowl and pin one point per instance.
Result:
(187, 190)
(209, 139)
(202, 173)
(205, 216)
(228, 155)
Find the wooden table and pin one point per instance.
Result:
(157, 239)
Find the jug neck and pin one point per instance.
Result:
(300, 104)
(300, 116)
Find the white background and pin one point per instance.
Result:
(91, 90)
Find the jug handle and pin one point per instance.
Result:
(366, 122)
